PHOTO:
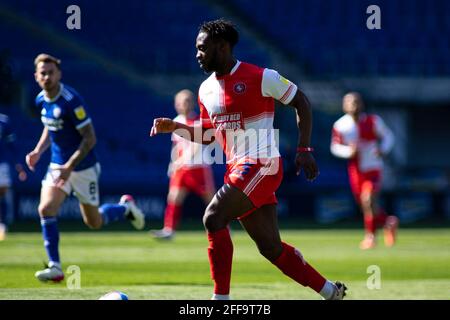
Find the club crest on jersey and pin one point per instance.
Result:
(239, 87)
(56, 112)
(80, 113)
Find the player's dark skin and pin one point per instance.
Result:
(229, 203)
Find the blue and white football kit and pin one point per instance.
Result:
(7, 138)
(63, 116)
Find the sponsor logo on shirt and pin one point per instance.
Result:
(228, 121)
(284, 80)
(52, 124)
(80, 113)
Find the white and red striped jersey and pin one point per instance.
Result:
(240, 108)
(369, 134)
(187, 154)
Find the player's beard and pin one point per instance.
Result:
(51, 87)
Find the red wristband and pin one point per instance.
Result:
(305, 149)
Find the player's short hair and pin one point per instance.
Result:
(221, 29)
(44, 57)
(185, 92)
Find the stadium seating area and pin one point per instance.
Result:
(157, 37)
(330, 38)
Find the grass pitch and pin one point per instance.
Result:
(418, 267)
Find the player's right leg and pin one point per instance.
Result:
(370, 186)
(51, 200)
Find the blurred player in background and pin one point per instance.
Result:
(236, 103)
(188, 171)
(7, 155)
(73, 168)
(364, 139)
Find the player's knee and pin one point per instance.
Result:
(270, 252)
(212, 219)
(93, 224)
(366, 200)
(47, 210)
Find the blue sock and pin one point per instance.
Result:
(50, 233)
(112, 212)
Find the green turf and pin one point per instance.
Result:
(418, 267)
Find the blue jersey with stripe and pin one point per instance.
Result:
(7, 137)
(64, 115)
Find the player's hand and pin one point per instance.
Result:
(21, 173)
(354, 151)
(162, 125)
(32, 159)
(63, 175)
(306, 161)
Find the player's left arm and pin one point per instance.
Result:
(275, 86)
(88, 141)
(385, 135)
(304, 159)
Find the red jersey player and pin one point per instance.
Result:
(364, 139)
(237, 109)
(188, 171)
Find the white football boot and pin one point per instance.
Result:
(339, 292)
(134, 214)
(163, 234)
(51, 273)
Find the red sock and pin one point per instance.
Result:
(380, 219)
(369, 224)
(294, 266)
(220, 253)
(172, 216)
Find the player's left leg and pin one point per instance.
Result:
(262, 226)
(3, 227)
(85, 187)
(95, 217)
(5, 183)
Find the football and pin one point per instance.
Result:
(114, 295)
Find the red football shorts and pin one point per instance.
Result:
(364, 182)
(257, 179)
(197, 179)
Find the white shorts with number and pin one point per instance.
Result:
(83, 184)
(5, 177)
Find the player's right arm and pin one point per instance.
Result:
(33, 157)
(190, 133)
(338, 148)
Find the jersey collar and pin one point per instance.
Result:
(47, 99)
(233, 70)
